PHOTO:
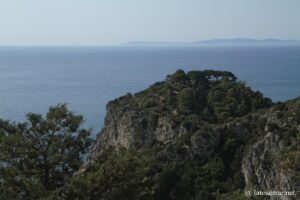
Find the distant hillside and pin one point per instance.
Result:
(232, 41)
(247, 41)
(154, 43)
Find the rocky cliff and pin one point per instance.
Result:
(166, 109)
(272, 162)
(133, 129)
(233, 138)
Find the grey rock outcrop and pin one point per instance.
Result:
(261, 164)
(261, 173)
(128, 128)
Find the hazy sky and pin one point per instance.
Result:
(104, 22)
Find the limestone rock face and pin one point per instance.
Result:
(261, 165)
(128, 128)
(259, 170)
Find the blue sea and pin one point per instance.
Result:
(86, 78)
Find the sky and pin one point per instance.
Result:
(112, 22)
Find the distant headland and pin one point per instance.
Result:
(231, 41)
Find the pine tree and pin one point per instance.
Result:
(38, 155)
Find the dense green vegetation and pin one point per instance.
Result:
(37, 156)
(41, 158)
(197, 97)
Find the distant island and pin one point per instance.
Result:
(232, 41)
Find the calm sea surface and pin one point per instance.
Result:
(33, 78)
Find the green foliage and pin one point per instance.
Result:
(38, 155)
(214, 169)
(236, 195)
(297, 116)
(148, 174)
(280, 106)
(186, 100)
(214, 96)
(118, 176)
(43, 157)
(179, 77)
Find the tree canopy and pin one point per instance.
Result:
(38, 155)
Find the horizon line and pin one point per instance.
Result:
(145, 42)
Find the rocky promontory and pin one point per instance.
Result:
(196, 135)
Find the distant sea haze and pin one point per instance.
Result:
(33, 78)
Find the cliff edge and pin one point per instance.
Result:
(215, 136)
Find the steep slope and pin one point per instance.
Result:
(272, 163)
(196, 135)
(176, 106)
